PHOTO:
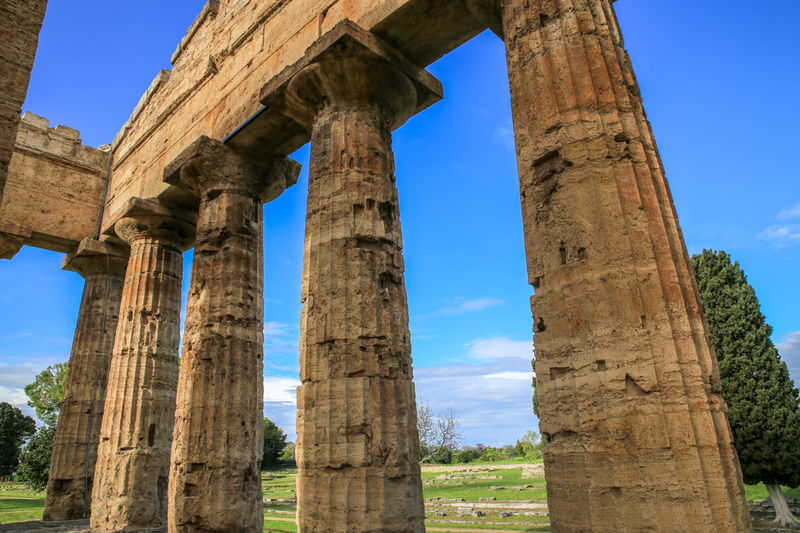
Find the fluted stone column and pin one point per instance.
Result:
(130, 490)
(357, 446)
(69, 488)
(629, 390)
(215, 477)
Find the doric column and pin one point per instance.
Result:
(357, 447)
(130, 491)
(69, 488)
(629, 390)
(215, 477)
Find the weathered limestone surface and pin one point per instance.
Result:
(12, 237)
(55, 186)
(629, 390)
(20, 22)
(69, 488)
(356, 424)
(231, 51)
(130, 490)
(215, 476)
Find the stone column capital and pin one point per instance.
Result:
(150, 218)
(97, 257)
(208, 166)
(353, 79)
(12, 237)
(349, 66)
(488, 12)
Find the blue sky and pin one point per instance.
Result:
(720, 88)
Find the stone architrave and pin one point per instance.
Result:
(629, 390)
(130, 491)
(357, 445)
(69, 488)
(215, 476)
(20, 22)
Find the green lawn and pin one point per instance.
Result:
(473, 489)
(279, 526)
(18, 503)
(759, 492)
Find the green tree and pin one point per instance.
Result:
(274, 444)
(34, 461)
(46, 392)
(762, 401)
(529, 446)
(14, 429)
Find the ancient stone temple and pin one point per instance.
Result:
(629, 389)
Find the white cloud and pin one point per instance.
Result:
(280, 403)
(470, 306)
(789, 350)
(508, 375)
(504, 135)
(12, 395)
(491, 397)
(281, 390)
(781, 235)
(280, 337)
(493, 401)
(13, 379)
(791, 212)
(500, 348)
(272, 328)
(20, 335)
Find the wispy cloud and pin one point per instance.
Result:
(504, 135)
(277, 329)
(500, 348)
(281, 390)
(13, 379)
(790, 212)
(491, 395)
(280, 403)
(20, 335)
(781, 235)
(280, 337)
(491, 400)
(789, 350)
(461, 307)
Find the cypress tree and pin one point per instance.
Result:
(762, 401)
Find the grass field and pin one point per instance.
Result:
(456, 501)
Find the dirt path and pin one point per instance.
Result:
(472, 468)
(454, 530)
(460, 530)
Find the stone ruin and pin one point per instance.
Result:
(629, 388)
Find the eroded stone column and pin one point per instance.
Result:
(72, 463)
(628, 387)
(357, 447)
(130, 491)
(20, 22)
(215, 477)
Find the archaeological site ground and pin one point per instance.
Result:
(153, 439)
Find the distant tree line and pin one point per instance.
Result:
(440, 435)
